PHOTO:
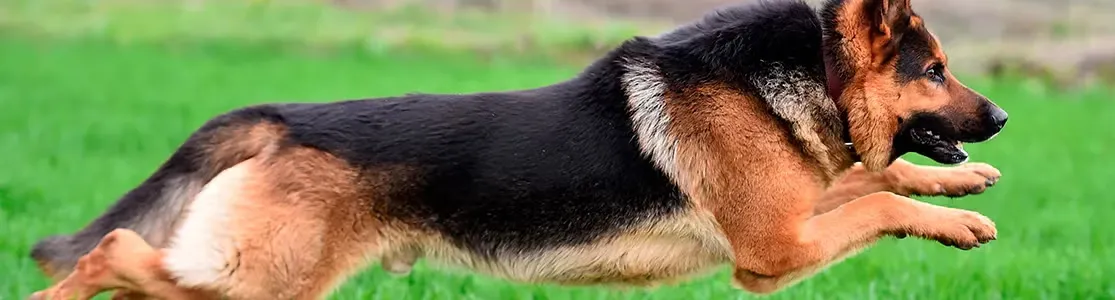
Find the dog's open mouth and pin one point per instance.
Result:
(931, 137)
(937, 147)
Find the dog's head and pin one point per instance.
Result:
(893, 83)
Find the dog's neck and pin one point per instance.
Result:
(834, 83)
(814, 119)
(834, 87)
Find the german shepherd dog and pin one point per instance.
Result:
(765, 135)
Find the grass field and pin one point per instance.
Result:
(83, 120)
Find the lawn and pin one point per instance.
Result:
(84, 119)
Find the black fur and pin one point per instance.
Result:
(495, 172)
(833, 40)
(739, 43)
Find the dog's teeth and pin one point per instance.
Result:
(959, 145)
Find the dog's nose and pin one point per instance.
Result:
(999, 117)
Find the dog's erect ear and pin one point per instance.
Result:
(866, 32)
(877, 25)
(889, 18)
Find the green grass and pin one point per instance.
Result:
(314, 25)
(84, 119)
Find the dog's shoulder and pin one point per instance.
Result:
(769, 51)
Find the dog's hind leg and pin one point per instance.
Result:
(154, 208)
(122, 261)
(289, 225)
(906, 179)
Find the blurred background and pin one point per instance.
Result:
(1069, 41)
(1066, 42)
(94, 94)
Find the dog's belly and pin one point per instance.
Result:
(661, 250)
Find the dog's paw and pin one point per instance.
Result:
(952, 227)
(957, 181)
(61, 292)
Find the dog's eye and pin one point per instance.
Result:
(936, 73)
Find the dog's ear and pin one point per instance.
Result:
(867, 31)
(890, 18)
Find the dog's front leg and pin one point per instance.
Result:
(905, 178)
(778, 251)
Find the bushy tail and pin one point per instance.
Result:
(153, 208)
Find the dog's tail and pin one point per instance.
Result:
(154, 207)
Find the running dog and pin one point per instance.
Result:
(766, 136)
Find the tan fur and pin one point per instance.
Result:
(724, 140)
(298, 228)
(658, 251)
(916, 22)
(301, 228)
(905, 178)
(122, 260)
(237, 143)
